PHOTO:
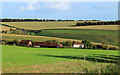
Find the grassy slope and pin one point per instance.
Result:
(22, 59)
(101, 36)
(56, 25)
(33, 38)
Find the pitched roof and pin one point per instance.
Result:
(45, 44)
(78, 43)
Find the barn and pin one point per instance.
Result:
(47, 44)
(78, 45)
(26, 43)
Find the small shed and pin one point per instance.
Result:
(78, 45)
(25, 43)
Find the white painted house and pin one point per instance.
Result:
(78, 45)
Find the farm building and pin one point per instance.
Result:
(47, 44)
(25, 43)
(78, 45)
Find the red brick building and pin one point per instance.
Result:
(47, 44)
(25, 43)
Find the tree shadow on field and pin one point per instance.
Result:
(93, 58)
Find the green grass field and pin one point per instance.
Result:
(17, 59)
(100, 36)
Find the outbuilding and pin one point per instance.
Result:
(78, 45)
(47, 44)
(26, 43)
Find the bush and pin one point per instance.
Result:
(87, 44)
(94, 47)
(3, 42)
(99, 46)
(105, 47)
(112, 48)
(16, 42)
(67, 44)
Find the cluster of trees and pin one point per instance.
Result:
(87, 45)
(67, 44)
(88, 20)
(32, 20)
(87, 23)
(9, 42)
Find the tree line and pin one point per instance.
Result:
(66, 44)
(87, 23)
(32, 20)
(38, 20)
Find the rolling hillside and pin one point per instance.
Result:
(100, 36)
(57, 25)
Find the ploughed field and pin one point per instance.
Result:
(17, 59)
(101, 36)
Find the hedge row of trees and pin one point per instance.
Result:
(87, 23)
(87, 45)
(38, 20)
(32, 20)
(13, 42)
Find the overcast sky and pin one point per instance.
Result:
(61, 10)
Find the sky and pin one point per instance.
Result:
(61, 10)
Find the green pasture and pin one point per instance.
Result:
(101, 36)
(17, 59)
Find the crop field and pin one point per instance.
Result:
(11, 37)
(100, 36)
(58, 60)
(40, 25)
(58, 25)
(97, 27)
(4, 28)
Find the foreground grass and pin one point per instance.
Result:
(101, 36)
(56, 60)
